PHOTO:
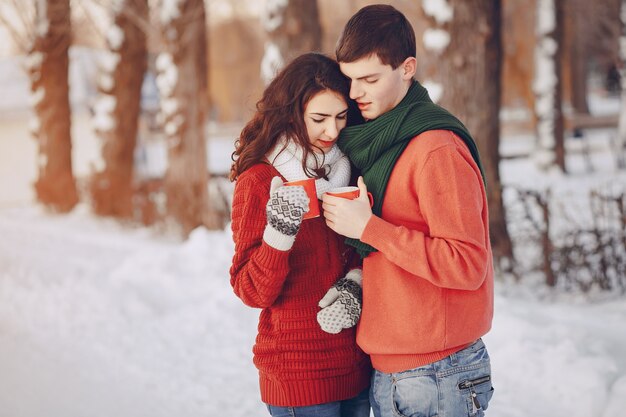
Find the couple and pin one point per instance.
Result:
(421, 252)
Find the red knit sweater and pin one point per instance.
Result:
(298, 363)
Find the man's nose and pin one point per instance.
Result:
(355, 91)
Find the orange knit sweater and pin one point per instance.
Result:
(428, 291)
(298, 363)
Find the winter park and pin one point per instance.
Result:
(118, 119)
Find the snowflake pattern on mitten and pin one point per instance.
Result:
(285, 209)
(345, 311)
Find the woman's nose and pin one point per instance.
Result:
(332, 130)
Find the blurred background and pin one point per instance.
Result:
(126, 99)
(118, 119)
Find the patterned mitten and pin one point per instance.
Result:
(284, 210)
(341, 306)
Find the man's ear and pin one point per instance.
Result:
(409, 68)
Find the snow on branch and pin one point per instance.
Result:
(436, 40)
(272, 16)
(440, 10)
(170, 10)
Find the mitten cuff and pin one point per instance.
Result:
(277, 240)
(355, 275)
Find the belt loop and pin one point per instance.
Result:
(454, 361)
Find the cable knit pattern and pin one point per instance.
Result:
(287, 156)
(298, 363)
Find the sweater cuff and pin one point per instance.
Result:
(375, 231)
(355, 275)
(277, 240)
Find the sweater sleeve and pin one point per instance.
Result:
(258, 271)
(451, 249)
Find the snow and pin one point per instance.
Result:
(545, 83)
(37, 96)
(109, 61)
(172, 127)
(103, 109)
(170, 10)
(436, 39)
(272, 16)
(42, 24)
(441, 10)
(272, 62)
(435, 90)
(118, 5)
(33, 60)
(115, 37)
(101, 319)
(546, 17)
(106, 82)
(168, 74)
(169, 106)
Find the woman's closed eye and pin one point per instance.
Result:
(341, 116)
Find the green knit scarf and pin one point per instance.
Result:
(375, 146)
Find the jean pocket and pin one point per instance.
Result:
(478, 392)
(415, 396)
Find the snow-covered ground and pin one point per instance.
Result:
(98, 319)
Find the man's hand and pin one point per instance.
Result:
(348, 217)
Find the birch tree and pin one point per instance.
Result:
(183, 87)
(463, 41)
(620, 143)
(293, 27)
(118, 107)
(576, 41)
(550, 146)
(43, 31)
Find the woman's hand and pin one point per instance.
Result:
(284, 210)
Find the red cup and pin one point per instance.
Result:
(311, 192)
(350, 193)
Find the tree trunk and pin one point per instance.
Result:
(111, 186)
(518, 52)
(575, 54)
(469, 69)
(183, 86)
(550, 148)
(48, 72)
(620, 143)
(293, 27)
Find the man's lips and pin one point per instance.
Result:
(362, 106)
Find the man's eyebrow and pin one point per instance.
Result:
(329, 115)
(368, 76)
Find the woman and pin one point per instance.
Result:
(284, 264)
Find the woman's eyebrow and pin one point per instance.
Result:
(329, 115)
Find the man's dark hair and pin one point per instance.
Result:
(377, 29)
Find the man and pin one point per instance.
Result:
(427, 268)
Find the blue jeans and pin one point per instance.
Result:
(456, 386)
(358, 406)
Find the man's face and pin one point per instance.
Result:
(377, 88)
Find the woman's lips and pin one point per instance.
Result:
(326, 143)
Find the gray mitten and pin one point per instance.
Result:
(341, 306)
(284, 210)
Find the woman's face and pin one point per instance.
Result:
(324, 117)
